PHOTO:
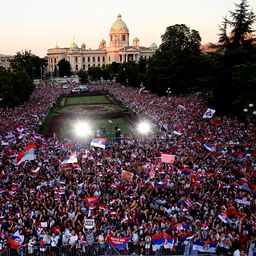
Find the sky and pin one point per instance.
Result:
(38, 25)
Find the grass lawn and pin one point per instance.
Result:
(100, 99)
(90, 109)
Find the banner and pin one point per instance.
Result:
(127, 175)
(89, 223)
(119, 242)
(168, 159)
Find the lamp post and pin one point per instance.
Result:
(249, 112)
(168, 91)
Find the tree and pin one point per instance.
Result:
(95, 73)
(237, 52)
(83, 76)
(176, 64)
(64, 68)
(15, 87)
(241, 23)
(29, 62)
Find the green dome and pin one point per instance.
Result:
(153, 46)
(73, 47)
(119, 24)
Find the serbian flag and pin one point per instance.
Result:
(224, 217)
(91, 200)
(118, 242)
(168, 241)
(177, 131)
(201, 246)
(158, 241)
(243, 200)
(245, 184)
(158, 184)
(209, 113)
(209, 147)
(99, 142)
(14, 242)
(71, 159)
(27, 154)
(167, 159)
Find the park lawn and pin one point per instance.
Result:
(100, 99)
(67, 127)
(83, 110)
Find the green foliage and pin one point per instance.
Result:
(15, 87)
(64, 68)
(32, 64)
(95, 73)
(178, 63)
(235, 83)
(83, 76)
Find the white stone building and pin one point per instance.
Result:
(119, 50)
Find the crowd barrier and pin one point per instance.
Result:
(93, 250)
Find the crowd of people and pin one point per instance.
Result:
(203, 202)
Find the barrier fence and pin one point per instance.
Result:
(84, 250)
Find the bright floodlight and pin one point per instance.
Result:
(82, 129)
(144, 127)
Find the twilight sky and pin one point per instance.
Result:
(38, 24)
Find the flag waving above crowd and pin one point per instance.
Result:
(209, 113)
(27, 154)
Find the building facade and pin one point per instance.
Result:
(119, 50)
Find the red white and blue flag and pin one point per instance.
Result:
(158, 241)
(27, 154)
(71, 159)
(168, 241)
(99, 142)
(208, 247)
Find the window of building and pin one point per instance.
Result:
(75, 59)
(111, 38)
(98, 59)
(51, 61)
(83, 67)
(89, 59)
(83, 59)
(76, 67)
(94, 65)
(109, 59)
(93, 59)
(103, 59)
(123, 37)
(55, 61)
(89, 65)
(98, 65)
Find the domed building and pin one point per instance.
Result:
(119, 50)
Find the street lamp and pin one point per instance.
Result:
(249, 111)
(168, 91)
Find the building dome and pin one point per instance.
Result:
(83, 46)
(73, 47)
(119, 24)
(153, 46)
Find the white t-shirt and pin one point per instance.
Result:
(73, 239)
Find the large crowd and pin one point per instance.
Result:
(204, 202)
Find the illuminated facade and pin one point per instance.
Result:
(119, 50)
